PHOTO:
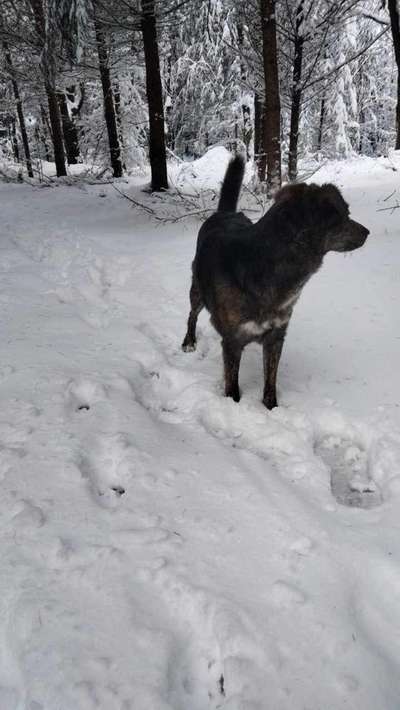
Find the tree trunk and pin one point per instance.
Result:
(48, 67)
(13, 138)
(157, 152)
(109, 109)
(321, 124)
(71, 140)
(170, 136)
(395, 26)
(20, 112)
(56, 131)
(296, 94)
(260, 157)
(44, 131)
(247, 132)
(271, 138)
(118, 115)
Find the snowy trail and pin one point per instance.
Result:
(163, 547)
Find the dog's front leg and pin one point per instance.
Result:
(232, 353)
(271, 356)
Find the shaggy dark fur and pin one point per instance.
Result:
(249, 276)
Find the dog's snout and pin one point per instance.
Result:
(360, 230)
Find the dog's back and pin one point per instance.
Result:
(220, 246)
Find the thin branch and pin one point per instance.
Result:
(348, 61)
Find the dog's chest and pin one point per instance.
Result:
(271, 319)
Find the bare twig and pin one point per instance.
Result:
(306, 176)
(146, 208)
(389, 209)
(389, 196)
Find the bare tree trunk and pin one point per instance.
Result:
(271, 137)
(71, 141)
(20, 112)
(247, 131)
(13, 138)
(170, 134)
(109, 109)
(118, 116)
(321, 123)
(56, 131)
(49, 71)
(43, 134)
(260, 156)
(395, 25)
(157, 152)
(296, 94)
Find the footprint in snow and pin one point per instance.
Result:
(81, 394)
(352, 483)
(105, 466)
(218, 662)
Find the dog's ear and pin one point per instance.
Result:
(290, 192)
(331, 198)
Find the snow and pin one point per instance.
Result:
(164, 548)
(204, 173)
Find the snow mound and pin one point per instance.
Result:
(205, 173)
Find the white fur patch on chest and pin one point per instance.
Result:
(291, 300)
(251, 327)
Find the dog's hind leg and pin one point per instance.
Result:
(232, 353)
(271, 356)
(196, 305)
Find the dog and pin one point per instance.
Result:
(249, 276)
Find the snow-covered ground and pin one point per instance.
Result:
(163, 548)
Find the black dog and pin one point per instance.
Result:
(249, 276)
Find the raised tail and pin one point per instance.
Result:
(231, 185)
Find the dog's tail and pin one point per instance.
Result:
(231, 185)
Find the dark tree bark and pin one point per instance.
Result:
(20, 112)
(71, 140)
(117, 104)
(271, 138)
(260, 156)
(170, 134)
(247, 131)
(296, 94)
(44, 132)
(395, 26)
(257, 126)
(14, 140)
(109, 109)
(48, 70)
(157, 152)
(321, 123)
(56, 131)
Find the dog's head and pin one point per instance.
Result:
(326, 211)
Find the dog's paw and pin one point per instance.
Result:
(234, 394)
(270, 402)
(188, 347)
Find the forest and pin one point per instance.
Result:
(185, 526)
(118, 85)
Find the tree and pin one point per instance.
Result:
(45, 33)
(157, 151)
(20, 112)
(108, 100)
(296, 91)
(271, 121)
(395, 27)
